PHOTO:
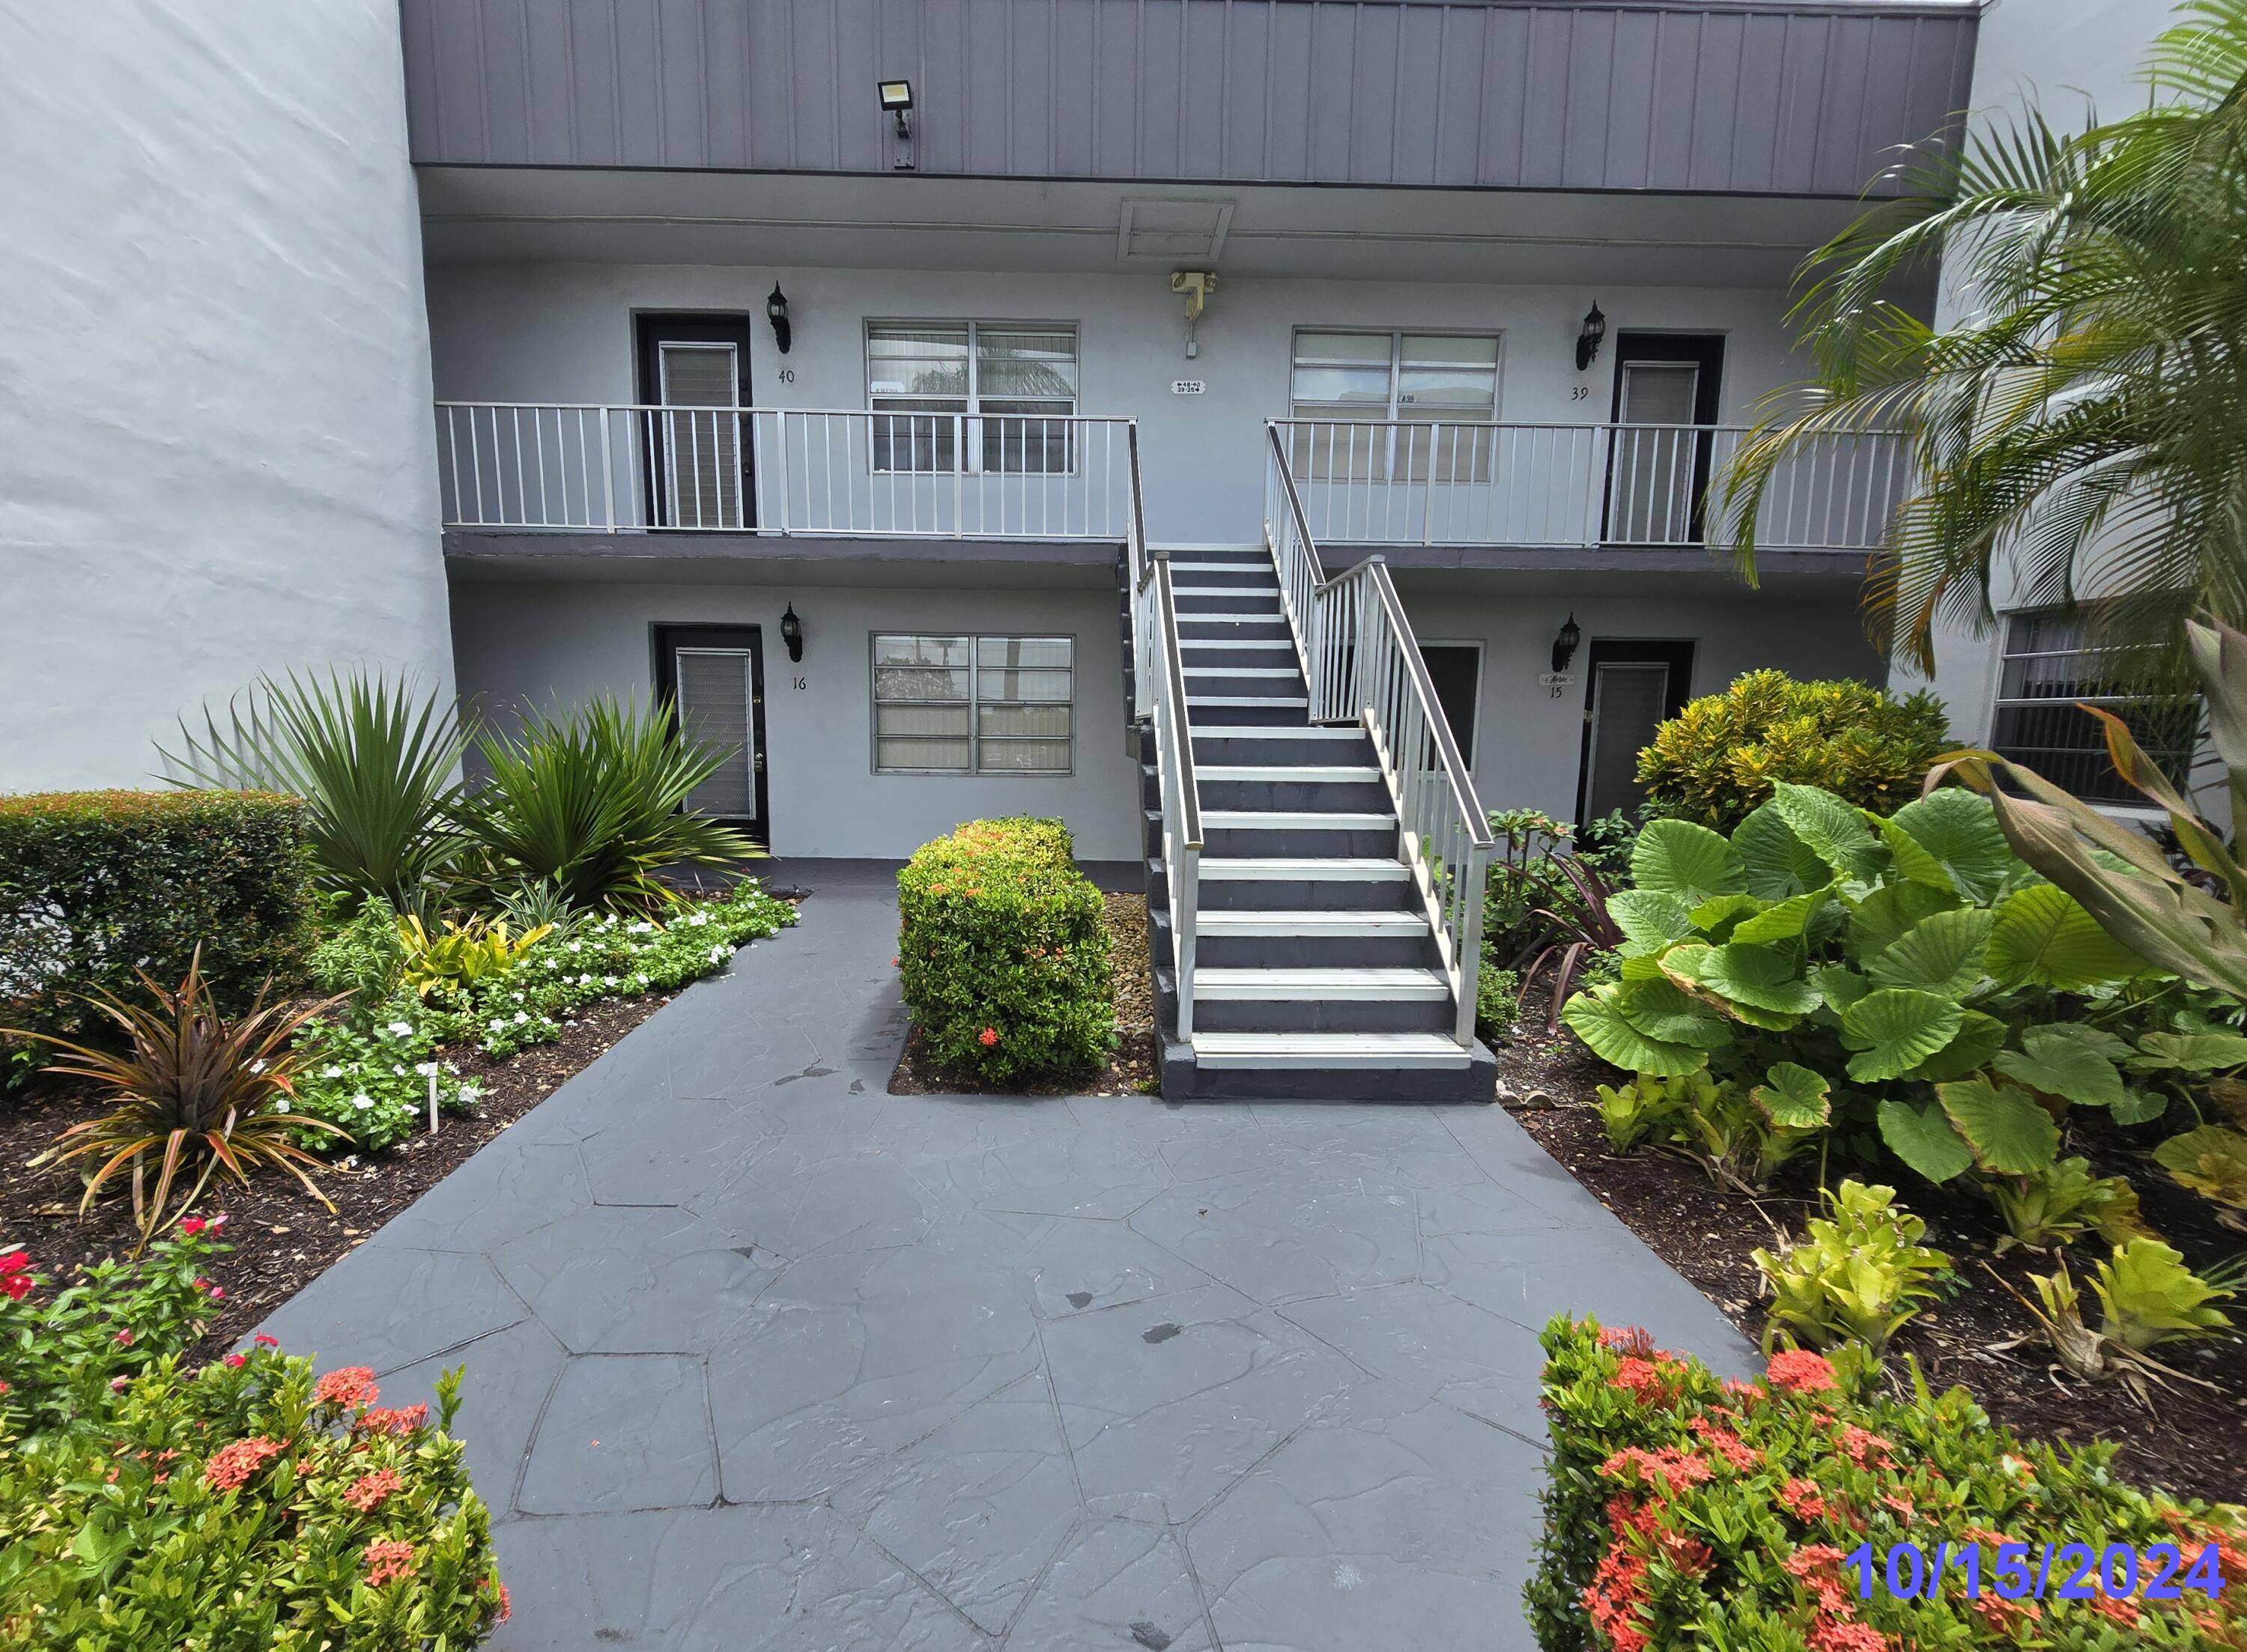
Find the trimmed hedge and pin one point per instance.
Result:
(96, 884)
(1684, 1511)
(1004, 953)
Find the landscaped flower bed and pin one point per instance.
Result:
(1683, 1510)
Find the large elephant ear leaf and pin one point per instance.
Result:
(1660, 1009)
(1959, 832)
(1785, 920)
(2210, 1160)
(1835, 832)
(1884, 917)
(1940, 953)
(1912, 861)
(1922, 1138)
(1757, 977)
(1595, 1017)
(2008, 1133)
(1778, 864)
(1896, 1029)
(1649, 920)
(1678, 858)
(2071, 1062)
(2189, 1053)
(1792, 1097)
(2044, 937)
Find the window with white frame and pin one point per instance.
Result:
(985, 395)
(2048, 669)
(961, 705)
(1353, 387)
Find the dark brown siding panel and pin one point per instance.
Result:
(1793, 95)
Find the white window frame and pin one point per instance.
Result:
(1397, 336)
(1382, 456)
(2126, 800)
(974, 704)
(969, 450)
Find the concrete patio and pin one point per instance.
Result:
(761, 1356)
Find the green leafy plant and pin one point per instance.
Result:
(1582, 928)
(2146, 1297)
(1682, 1511)
(1497, 1001)
(364, 958)
(374, 763)
(196, 1090)
(461, 955)
(1716, 761)
(1859, 1274)
(1003, 953)
(596, 805)
(2058, 1203)
(2211, 1160)
(1647, 1106)
(538, 904)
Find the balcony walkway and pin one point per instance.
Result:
(760, 1355)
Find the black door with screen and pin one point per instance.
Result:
(714, 678)
(1630, 686)
(1658, 467)
(1456, 671)
(692, 454)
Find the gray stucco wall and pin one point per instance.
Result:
(215, 453)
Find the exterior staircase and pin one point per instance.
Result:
(1316, 971)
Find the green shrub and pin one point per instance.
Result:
(1003, 952)
(1684, 1511)
(95, 885)
(1497, 1004)
(1717, 759)
(242, 1504)
(1856, 1275)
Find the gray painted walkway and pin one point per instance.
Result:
(761, 1356)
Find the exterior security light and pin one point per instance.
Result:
(791, 633)
(897, 100)
(776, 313)
(1589, 337)
(1564, 646)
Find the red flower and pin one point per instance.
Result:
(237, 1360)
(262, 1341)
(15, 1262)
(987, 1037)
(1726, 1444)
(385, 1420)
(18, 1286)
(352, 1385)
(1686, 1555)
(506, 1605)
(1628, 1339)
(366, 1492)
(117, 1384)
(386, 1561)
(1799, 1371)
(1802, 1498)
(1865, 1449)
(1671, 1468)
(4, 1387)
(124, 1339)
(193, 1225)
(1839, 1634)
(1640, 1381)
(234, 1464)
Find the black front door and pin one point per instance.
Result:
(714, 678)
(695, 457)
(1657, 467)
(1456, 671)
(1630, 687)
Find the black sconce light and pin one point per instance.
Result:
(776, 313)
(791, 633)
(1564, 646)
(1589, 337)
(897, 100)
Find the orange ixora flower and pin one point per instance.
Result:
(987, 1037)
(351, 1385)
(387, 1561)
(367, 1491)
(231, 1465)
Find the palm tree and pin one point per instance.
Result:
(2082, 425)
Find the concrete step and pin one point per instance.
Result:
(1265, 820)
(1302, 869)
(1192, 671)
(1322, 922)
(1417, 985)
(1337, 773)
(1329, 1050)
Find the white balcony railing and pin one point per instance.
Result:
(607, 470)
(1445, 483)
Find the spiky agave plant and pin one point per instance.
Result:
(192, 1090)
(2081, 427)
(376, 767)
(596, 803)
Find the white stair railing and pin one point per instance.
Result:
(1363, 665)
(1159, 692)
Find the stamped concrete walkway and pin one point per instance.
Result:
(761, 1356)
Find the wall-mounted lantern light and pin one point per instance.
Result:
(1564, 646)
(791, 633)
(897, 100)
(1589, 337)
(776, 313)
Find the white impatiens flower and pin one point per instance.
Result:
(468, 1094)
(608, 980)
(331, 1072)
(717, 954)
(362, 1101)
(426, 1069)
(520, 1017)
(257, 1067)
(497, 1028)
(641, 977)
(400, 1029)
(698, 920)
(281, 1106)
(398, 1069)
(577, 946)
(641, 928)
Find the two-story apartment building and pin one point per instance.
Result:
(833, 366)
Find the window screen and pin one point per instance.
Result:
(1355, 385)
(701, 466)
(991, 396)
(713, 710)
(2049, 666)
(973, 704)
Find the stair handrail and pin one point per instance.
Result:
(1158, 683)
(1363, 664)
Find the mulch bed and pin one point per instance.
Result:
(1135, 1069)
(2193, 1441)
(283, 1237)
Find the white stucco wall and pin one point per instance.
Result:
(216, 456)
(564, 332)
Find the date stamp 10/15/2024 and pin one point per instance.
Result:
(2036, 1570)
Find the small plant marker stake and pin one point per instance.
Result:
(432, 1103)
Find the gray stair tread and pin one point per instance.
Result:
(1246, 700)
(1186, 617)
(1372, 983)
(1243, 671)
(1302, 869)
(1250, 731)
(1294, 819)
(1329, 1049)
(1230, 642)
(1328, 921)
(1342, 774)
